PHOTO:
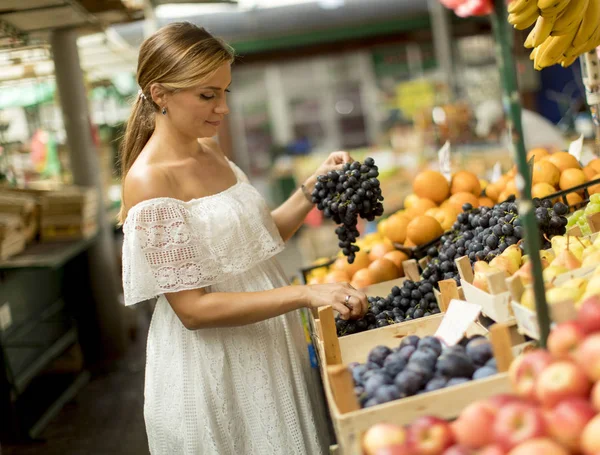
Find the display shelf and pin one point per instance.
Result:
(47, 255)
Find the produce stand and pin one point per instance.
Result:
(45, 313)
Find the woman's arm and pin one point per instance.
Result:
(198, 309)
(290, 215)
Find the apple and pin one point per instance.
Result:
(590, 438)
(430, 436)
(493, 449)
(564, 339)
(588, 315)
(516, 423)
(561, 380)
(595, 396)
(382, 435)
(588, 356)
(396, 449)
(539, 446)
(457, 450)
(523, 372)
(498, 401)
(566, 421)
(472, 428)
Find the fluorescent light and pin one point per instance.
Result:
(183, 10)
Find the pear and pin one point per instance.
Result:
(525, 273)
(514, 253)
(597, 242)
(579, 284)
(591, 259)
(593, 287)
(559, 243)
(528, 299)
(588, 251)
(562, 294)
(552, 271)
(481, 269)
(567, 259)
(547, 255)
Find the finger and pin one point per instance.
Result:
(343, 310)
(355, 307)
(361, 299)
(343, 157)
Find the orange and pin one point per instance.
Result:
(545, 172)
(574, 198)
(361, 279)
(539, 153)
(431, 185)
(423, 229)
(410, 200)
(395, 228)
(485, 202)
(541, 190)
(594, 188)
(492, 191)
(564, 161)
(361, 261)
(383, 270)
(337, 276)
(459, 199)
(465, 182)
(397, 257)
(571, 178)
(421, 205)
(378, 250)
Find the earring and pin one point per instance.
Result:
(164, 111)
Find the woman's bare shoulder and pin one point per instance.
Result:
(145, 181)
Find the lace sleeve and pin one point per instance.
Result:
(170, 246)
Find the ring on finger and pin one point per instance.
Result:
(347, 301)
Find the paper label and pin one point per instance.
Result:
(459, 316)
(444, 160)
(496, 172)
(5, 317)
(576, 148)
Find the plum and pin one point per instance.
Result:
(455, 365)
(457, 381)
(411, 340)
(394, 364)
(467, 340)
(407, 351)
(387, 393)
(372, 366)
(370, 402)
(358, 373)
(484, 372)
(408, 383)
(432, 343)
(491, 363)
(377, 380)
(425, 357)
(456, 348)
(378, 354)
(479, 351)
(425, 372)
(436, 384)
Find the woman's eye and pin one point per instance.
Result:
(207, 97)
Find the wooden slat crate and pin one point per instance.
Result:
(12, 235)
(350, 422)
(24, 205)
(69, 214)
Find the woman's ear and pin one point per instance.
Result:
(159, 95)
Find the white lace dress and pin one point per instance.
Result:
(241, 390)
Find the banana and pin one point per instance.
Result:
(552, 50)
(589, 24)
(568, 61)
(552, 7)
(570, 18)
(517, 6)
(540, 32)
(525, 18)
(533, 54)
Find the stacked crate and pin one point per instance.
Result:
(68, 214)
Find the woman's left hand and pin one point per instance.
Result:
(335, 161)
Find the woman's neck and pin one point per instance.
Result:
(167, 141)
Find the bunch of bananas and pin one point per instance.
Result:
(564, 29)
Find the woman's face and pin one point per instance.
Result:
(198, 112)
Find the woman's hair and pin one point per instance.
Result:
(178, 56)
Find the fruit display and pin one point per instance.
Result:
(413, 300)
(563, 29)
(580, 218)
(552, 172)
(554, 408)
(345, 195)
(420, 365)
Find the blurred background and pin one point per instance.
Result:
(391, 79)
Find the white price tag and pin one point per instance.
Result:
(496, 172)
(459, 316)
(576, 148)
(444, 160)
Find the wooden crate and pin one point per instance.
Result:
(70, 213)
(350, 422)
(12, 235)
(25, 206)
(495, 304)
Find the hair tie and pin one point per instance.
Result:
(141, 94)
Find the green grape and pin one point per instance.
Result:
(595, 198)
(584, 226)
(592, 208)
(574, 218)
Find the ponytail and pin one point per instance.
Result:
(140, 127)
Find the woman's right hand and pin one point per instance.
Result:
(318, 295)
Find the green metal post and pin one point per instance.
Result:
(512, 106)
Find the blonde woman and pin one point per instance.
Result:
(227, 367)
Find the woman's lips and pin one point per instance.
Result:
(213, 123)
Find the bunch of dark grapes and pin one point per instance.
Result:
(420, 365)
(411, 301)
(345, 195)
(482, 234)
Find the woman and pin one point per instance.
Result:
(227, 367)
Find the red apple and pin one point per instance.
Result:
(564, 339)
(590, 438)
(566, 421)
(396, 449)
(588, 356)
(595, 396)
(539, 446)
(382, 435)
(561, 380)
(430, 436)
(523, 372)
(588, 315)
(457, 450)
(493, 449)
(498, 401)
(516, 423)
(472, 428)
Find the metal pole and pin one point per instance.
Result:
(104, 282)
(442, 43)
(512, 107)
